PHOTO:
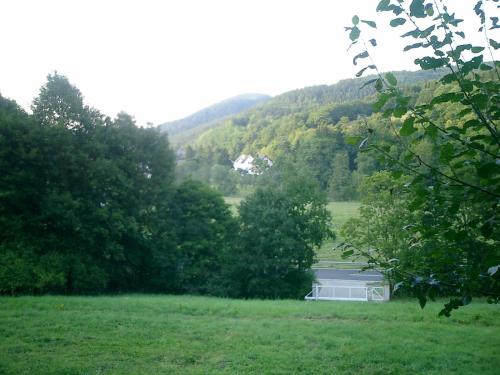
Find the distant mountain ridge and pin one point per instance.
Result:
(214, 113)
(237, 110)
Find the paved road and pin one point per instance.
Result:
(329, 273)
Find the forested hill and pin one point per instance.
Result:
(309, 127)
(211, 114)
(264, 128)
(347, 90)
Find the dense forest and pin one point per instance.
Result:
(311, 127)
(89, 204)
(180, 131)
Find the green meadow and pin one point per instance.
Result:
(145, 334)
(341, 212)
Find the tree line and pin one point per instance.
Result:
(90, 204)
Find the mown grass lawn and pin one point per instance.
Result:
(143, 334)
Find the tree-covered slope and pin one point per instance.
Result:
(178, 129)
(310, 127)
(278, 124)
(257, 129)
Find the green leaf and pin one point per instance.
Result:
(379, 84)
(479, 11)
(448, 78)
(472, 123)
(399, 111)
(383, 6)
(362, 55)
(472, 64)
(360, 73)
(447, 97)
(417, 9)
(480, 100)
(414, 33)
(488, 170)
(429, 10)
(370, 23)
(354, 34)
(391, 79)
(373, 42)
(446, 152)
(494, 44)
(397, 22)
(381, 100)
(407, 128)
(427, 62)
(369, 82)
(426, 32)
(467, 86)
(477, 49)
(464, 112)
(431, 132)
(355, 20)
(459, 49)
(455, 129)
(411, 46)
(494, 21)
(460, 33)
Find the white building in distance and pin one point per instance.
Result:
(246, 163)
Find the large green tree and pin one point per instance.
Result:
(456, 242)
(79, 193)
(205, 235)
(281, 225)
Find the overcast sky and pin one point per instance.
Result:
(162, 60)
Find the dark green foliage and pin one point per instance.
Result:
(280, 228)
(89, 205)
(342, 185)
(448, 148)
(205, 237)
(78, 193)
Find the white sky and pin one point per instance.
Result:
(162, 60)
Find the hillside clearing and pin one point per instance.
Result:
(143, 334)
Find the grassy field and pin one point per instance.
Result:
(143, 334)
(341, 212)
